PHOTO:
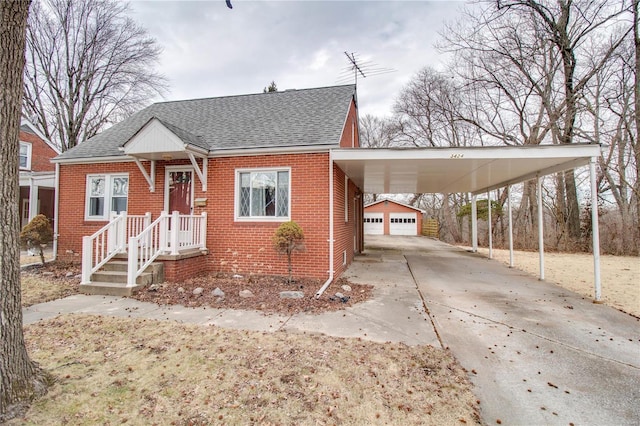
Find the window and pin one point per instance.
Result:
(105, 194)
(263, 194)
(25, 155)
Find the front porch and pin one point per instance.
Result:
(131, 251)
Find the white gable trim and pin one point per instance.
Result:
(38, 133)
(154, 137)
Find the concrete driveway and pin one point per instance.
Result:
(537, 353)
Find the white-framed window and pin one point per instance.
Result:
(106, 193)
(263, 194)
(24, 155)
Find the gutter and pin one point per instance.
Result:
(56, 201)
(331, 240)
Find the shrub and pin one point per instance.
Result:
(289, 238)
(37, 234)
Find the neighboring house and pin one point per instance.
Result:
(233, 168)
(388, 217)
(37, 174)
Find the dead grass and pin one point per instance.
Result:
(574, 271)
(113, 370)
(41, 284)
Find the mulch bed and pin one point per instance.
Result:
(266, 294)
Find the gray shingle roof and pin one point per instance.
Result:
(290, 118)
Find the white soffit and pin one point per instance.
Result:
(451, 170)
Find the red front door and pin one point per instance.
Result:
(180, 191)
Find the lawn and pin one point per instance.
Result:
(115, 370)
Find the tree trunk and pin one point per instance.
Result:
(21, 380)
(636, 39)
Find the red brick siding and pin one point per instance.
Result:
(344, 232)
(41, 153)
(350, 136)
(390, 207)
(240, 247)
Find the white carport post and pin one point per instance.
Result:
(474, 224)
(510, 226)
(595, 230)
(540, 227)
(489, 223)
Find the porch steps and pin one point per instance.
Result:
(111, 279)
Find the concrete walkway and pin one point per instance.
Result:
(537, 353)
(395, 314)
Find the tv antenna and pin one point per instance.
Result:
(360, 67)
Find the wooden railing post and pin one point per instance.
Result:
(87, 256)
(203, 231)
(175, 232)
(122, 233)
(132, 262)
(164, 232)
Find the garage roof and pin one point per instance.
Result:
(450, 170)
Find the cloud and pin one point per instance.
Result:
(210, 50)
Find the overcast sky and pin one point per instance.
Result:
(210, 50)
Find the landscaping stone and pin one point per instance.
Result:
(217, 292)
(154, 287)
(346, 287)
(69, 274)
(180, 290)
(291, 295)
(339, 295)
(246, 293)
(198, 291)
(47, 273)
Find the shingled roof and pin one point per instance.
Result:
(292, 118)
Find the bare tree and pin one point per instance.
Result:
(88, 64)
(572, 26)
(21, 379)
(609, 104)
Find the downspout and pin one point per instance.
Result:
(56, 198)
(330, 279)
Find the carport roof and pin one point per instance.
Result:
(450, 170)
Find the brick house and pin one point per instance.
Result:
(389, 217)
(37, 174)
(225, 172)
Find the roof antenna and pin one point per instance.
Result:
(364, 68)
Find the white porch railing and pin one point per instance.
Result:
(109, 240)
(168, 234)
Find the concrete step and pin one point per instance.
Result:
(112, 272)
(120, 277)
(122, 266)
(109, 289)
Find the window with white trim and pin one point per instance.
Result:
(24, 156)
(106, 193)
(263, 194)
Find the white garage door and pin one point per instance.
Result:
(374, 223)
(403, 224)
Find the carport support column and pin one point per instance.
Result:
(595, 230)
(510, 226)
(540, 227)
(474, 224)
(489, 224)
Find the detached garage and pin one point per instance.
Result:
(388, 217)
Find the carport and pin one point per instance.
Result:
(474, 170)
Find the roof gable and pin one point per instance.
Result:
(157, 140)
(394, 202)
(288, 119)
